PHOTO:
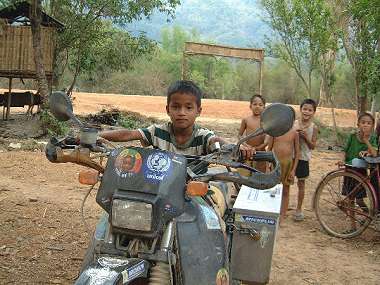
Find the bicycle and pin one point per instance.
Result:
(346, 201)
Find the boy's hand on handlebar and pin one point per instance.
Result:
(340, 163)
(247, 151)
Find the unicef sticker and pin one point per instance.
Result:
(157, 167)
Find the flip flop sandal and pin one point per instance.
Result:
(350, 231)
(299, 217)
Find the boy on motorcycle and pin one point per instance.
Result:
(181, 135)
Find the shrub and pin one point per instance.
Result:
(51, 125)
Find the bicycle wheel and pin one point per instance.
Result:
(344, 204)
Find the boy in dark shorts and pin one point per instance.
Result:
(307, 131)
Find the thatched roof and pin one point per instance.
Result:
(19, 14)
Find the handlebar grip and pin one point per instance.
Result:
(79, 156)
(260, 180)
(257, 180)
(263, 156)
(51, 152)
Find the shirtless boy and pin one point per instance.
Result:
(252, 123)
(286, 148)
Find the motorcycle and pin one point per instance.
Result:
(167, 219)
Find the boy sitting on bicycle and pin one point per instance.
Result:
(361, 143)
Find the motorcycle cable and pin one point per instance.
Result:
(82, 212)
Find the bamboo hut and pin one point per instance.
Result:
(16, 48)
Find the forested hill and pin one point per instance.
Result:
(229, 22)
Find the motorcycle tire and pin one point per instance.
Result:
(89, 256)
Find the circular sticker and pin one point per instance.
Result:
(157, 166)
(128, 162)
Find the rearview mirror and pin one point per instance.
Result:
(62, 109)
(276, 120)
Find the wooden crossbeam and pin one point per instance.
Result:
(192, 48)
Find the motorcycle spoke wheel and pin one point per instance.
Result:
(344, 205)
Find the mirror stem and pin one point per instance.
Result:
(256, 133)
(75, 119)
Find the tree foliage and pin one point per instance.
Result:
(303, 31)
(88, 30)
(360, 26)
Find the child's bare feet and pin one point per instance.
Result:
(298, 216)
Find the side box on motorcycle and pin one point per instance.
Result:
(256, 217)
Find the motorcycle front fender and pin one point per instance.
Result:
(107, 270)
(201, 244)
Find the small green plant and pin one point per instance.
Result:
(327, 134)
(51, 125)
(131, 122)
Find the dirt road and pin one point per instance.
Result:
(42, 239)
(219, 111)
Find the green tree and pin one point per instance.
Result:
(360, 25)
(84, 24)
(304, 34)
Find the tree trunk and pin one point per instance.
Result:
(362, 104)
(330, 102)
(77, 70)
(323, 99)
(374, 106)
(360, 98)
(357, 95)
(35, 21)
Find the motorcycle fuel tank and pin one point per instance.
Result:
(256, 214)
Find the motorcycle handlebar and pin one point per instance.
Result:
(257, 180)
(261, 180)
(54, 152)
(79, 156)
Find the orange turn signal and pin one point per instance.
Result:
(88, 177)
(196, 188)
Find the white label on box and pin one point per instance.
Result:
(256, 219)
(268, 200)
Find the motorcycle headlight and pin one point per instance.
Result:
(132, 215)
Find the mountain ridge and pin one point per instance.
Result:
(226, 22)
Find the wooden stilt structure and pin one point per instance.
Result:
(16, 47)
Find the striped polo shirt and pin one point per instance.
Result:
(162, 137)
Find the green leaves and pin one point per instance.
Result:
(93, 42)
(305, 31)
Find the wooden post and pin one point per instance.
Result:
(184, 66)
(9, 98)
(261, 77)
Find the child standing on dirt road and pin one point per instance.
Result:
(181, 135)
(286, 148)
(307, 131)
(249, 125)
